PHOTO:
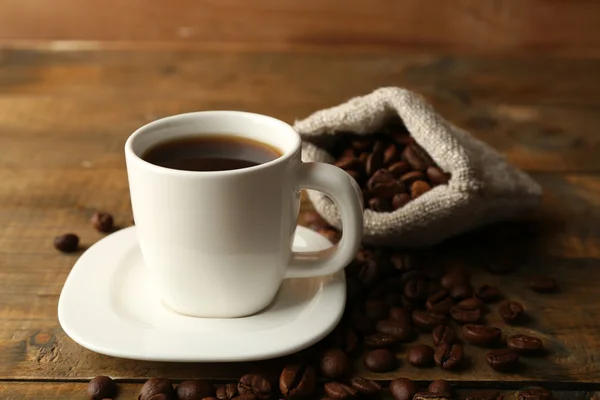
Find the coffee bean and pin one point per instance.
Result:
(390, 154)
(431, 396)
(67, 243)
(437, 176)
(420, 355)
(511, 311)
(471, 302)
(524, 344)
(154, 386)
(543, 284)
(380, 360)
(535, 393)
(465, 313)
(440, 386)
(439, 302)
(400, 200)
(427, 320)
(380, 205)
(380, 341)
(461, 291)
(374, 162)
(227, 392)
(502, 360)
(400, 314)
(454, 278)
(448, 356)
(487, 293)
(196, 389)
(415, 290)
(102, 221)
(379, 177)
(349, 163)
(297, 381)
(411, 177)
(365, 387)
(254, 384)
(481, 335)
(337, 390)
(401, 330)
(335, 364)
(419, 188)
(343, 338)
(101, 387)
(399, 168)
(413, 158)
(403, 389)
(484, 395)
(443, 334)
(376, 309)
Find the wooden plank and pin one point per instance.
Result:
(76, 391)
(541, 114)
(527, 27)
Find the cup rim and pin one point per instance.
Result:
(286, 155)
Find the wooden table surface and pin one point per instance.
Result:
(64, 117)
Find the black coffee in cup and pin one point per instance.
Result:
(211, 153)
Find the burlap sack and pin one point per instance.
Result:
(483, 188)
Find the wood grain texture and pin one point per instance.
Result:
(500, 27)
(65, 116)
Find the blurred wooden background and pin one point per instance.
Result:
(565, 28)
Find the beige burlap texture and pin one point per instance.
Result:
(484, 188)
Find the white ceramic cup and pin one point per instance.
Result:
(219, 243)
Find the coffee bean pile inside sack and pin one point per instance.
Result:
(390, 167)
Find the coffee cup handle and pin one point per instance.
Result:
(346, 194)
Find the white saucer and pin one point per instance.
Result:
(107, 307)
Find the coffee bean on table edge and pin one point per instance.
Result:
(102, 221)
(365, 387)
(380, 360)
(334, 364)
(525, 345)
(379, 341)
(67, 243)
(481, 335)
(101, 387)
(195, 389)
(297, 381)
(399, 329)
(503, 360)
(420, 355)
(448, 356)
(465, 313)
(256, 385)
(543, 284)
(154, 386)
(227, 391)
(403, 389)
(440, 386)
(443, 334)
(511, 311)
(337, 390)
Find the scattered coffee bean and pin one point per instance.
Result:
(297, 381)
(524, 344)
(254, 384)
(379, 341)
(400, 314)
(227, 392)
(337, 390)
(102, 221)
(535, 393)
(437, 176)
(448, 356)
(67, 243)
(156, 386)
(543, 284)
(461, 291)
(427, 320)
(440, 386)
(511, 311)
(420, 355)
(335, 364)
(484, 395)
(196, 389)
(465, 312)
(443, 334)
(400, 200)
(502, 360)
(403, 389)
(431, 396)
(439, 302)
(401, 330)
(481, 335)
(365, 387)
(101, 387)
(487, 293)
(380, 360)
